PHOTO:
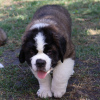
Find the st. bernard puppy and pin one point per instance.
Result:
(46, 46)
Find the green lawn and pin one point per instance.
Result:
(16, 80)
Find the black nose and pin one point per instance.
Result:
(40, 63)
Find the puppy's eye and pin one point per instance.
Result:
(49, 52)
(31, 52)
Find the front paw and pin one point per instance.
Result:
(58, 93)
(42, 93)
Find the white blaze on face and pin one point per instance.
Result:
(40, 42)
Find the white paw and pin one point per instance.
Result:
(42, 93)
(58, 93)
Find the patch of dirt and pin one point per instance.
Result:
(10, 57)
(6, 3)
(84, 84)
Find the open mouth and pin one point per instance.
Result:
(42, 74)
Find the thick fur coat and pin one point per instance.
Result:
(46, 46)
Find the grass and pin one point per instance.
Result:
(16, 80)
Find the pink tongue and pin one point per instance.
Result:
(41, 74)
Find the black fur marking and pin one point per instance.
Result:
(58, 41)
(62, 47)
(29, 47)
(22, 56)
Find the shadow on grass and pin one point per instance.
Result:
(18, 82)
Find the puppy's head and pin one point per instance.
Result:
(42, 48)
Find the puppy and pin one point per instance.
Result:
(46, 46)
(3, 39)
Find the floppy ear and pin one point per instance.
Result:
(62, 48)
(61, 45)
(22, 56)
